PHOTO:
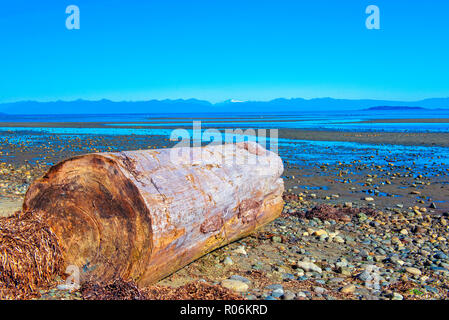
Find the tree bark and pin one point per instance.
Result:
(140, 215)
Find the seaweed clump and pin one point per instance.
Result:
(120, 289)
(337, 213)
(30, 256)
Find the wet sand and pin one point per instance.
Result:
(399, 138)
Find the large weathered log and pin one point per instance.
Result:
(140, 215)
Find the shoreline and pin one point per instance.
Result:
(410, 138)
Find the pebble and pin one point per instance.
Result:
(240, 278)
(320, 233)
(339, 239)
(413, 271)
(274, 287)
(319, 290)
(350, 288)
(288, 295)
(277, 293)
(397, 296)
(235, 285)
(240, 250)
(276, 239)
(228, 261)
(309, 266)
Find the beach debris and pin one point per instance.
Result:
(30, 256)
(334, 212)
(120, 289)
(139, 215)
(235, 285)
(117, 289)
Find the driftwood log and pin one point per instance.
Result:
(139, 215)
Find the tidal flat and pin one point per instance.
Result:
(356, 201)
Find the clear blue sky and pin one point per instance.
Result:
(222, 49)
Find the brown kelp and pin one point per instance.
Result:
(30, 256)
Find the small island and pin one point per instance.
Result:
(385, 108)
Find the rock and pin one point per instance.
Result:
(404, 232)
(350, 288)
(345, 271)
(240, 278)
(414, 271)
(365, 276)
(319, 233)
(362, 217)
(397, 296)
(319, 290)
(368, 199)
(336, 280)
(228, 261)
(440, 255)
(274, 287)
(339, 239)
(276, 239)
(288, 295)
(309, 266)
(277, 293)
(235, 285)
(342, 262)
(288, 276)
(240, 250)
(433, 205)
(431, 289)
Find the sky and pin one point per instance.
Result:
(223, 49)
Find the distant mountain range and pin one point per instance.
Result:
(200, 106)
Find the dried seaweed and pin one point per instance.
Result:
(127, 290)
(30, 256)
(118, 289)
(337, 213)
(193, 291)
